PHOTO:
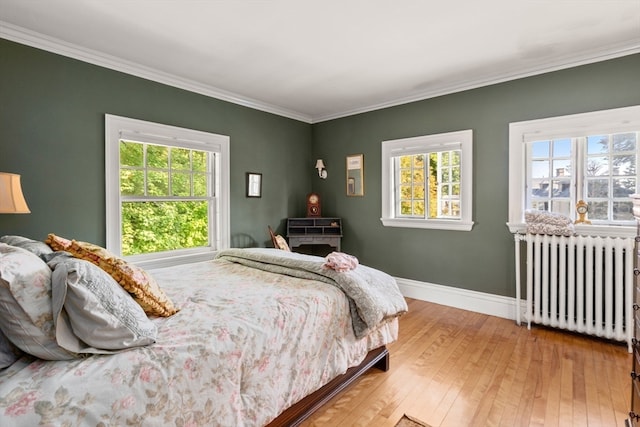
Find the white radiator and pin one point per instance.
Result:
(579, 283)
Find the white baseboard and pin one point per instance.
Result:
(479, 302)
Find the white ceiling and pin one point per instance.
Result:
(318, 60)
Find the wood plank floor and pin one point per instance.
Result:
(453, 367)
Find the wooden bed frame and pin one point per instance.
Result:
(296, 414)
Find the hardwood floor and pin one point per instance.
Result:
(452, 367)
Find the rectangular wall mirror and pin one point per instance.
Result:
(355, 175)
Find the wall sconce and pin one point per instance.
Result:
(322, 171)
(11, 198)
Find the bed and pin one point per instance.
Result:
(259, 337)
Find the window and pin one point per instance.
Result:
(427, 181)
(167, 192)
(556, 162)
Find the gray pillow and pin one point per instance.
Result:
(93, 313)
(34, 246)
(26, 318)
(9, 353)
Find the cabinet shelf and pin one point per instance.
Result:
(314, 231)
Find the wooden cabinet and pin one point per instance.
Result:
(634, 413)
(314, 231)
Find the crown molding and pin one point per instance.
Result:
(603, 54)
(50, 44)
(31, 38)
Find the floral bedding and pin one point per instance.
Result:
(373, 295)
(245, 345)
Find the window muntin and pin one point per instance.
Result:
(167, 192)
(427, 181)
(589, 156)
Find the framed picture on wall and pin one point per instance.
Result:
(254, 184)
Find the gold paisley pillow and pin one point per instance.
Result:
(134, 280)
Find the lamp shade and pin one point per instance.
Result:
(319, 164)
(11, 198)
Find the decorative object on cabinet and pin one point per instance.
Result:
(313, 205)
(355, 175)
(314, 231)
(322, 170)
(582, 208)
(254, 184)
(11, 197)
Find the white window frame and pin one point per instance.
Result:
(462, 140)
(617, 120)
(118, 128)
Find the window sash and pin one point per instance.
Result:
(170, 168)
(412, 200)
(445, 198)
(145, 169)
(392, 150)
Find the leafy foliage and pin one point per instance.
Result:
(163, 226)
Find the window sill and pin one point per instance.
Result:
(170, 260)
(435, 224)
(586, 230)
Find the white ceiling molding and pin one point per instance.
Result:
(50, 44)
(610, 52)
(490, 74)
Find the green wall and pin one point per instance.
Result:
(482, 259)
(52, 133)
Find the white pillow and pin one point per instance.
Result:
(26, 317)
